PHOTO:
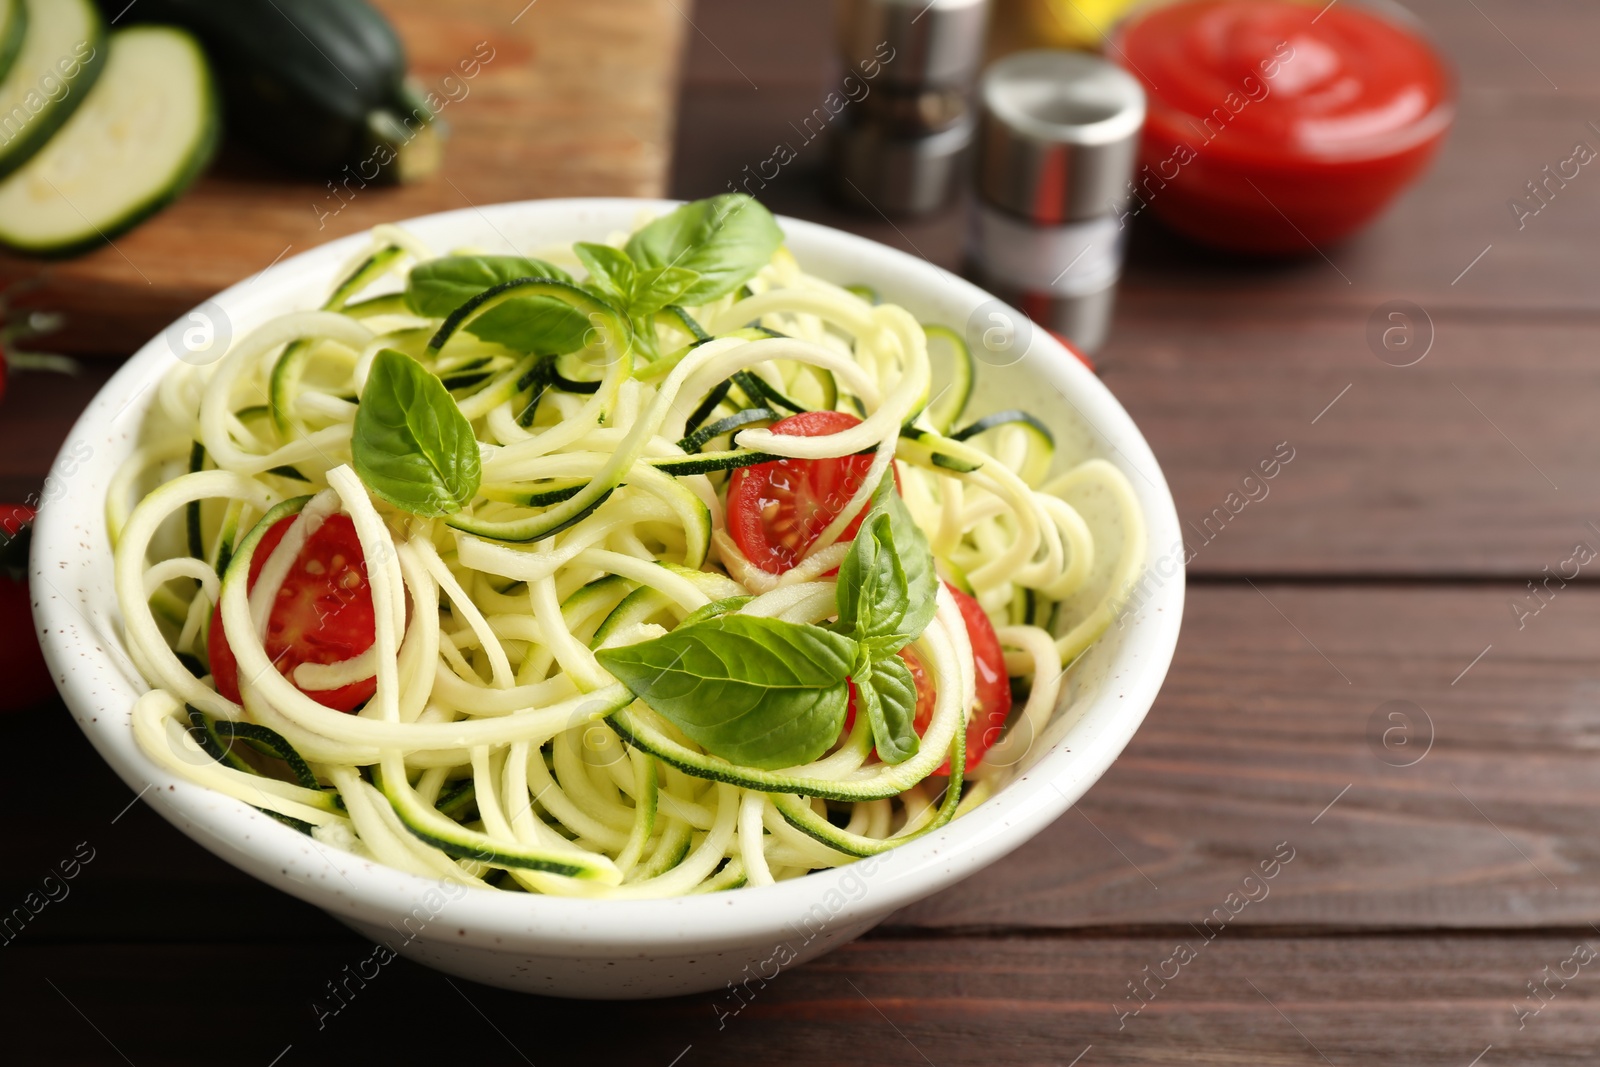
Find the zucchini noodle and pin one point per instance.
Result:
(495, 749)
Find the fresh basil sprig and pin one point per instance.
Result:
(532, 323)
(890, 700)
(611, 272)
(528, 323)
(724, 240)
(437, 287)
(411, 445)
(887, 595)
(887, 585)
(767, 693)
(639, 293)
(656, 287)
(754, 691)
(700, 251)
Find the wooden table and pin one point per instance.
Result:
(1421, 900)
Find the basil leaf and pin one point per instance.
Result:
(725, 239)
(611, 272)
(916, 559)
(715, 608)
(439, 286)
(887, 590)
(411, 445)
(642, 333)
(613, 277)
(872, 595)
(890, 698)
(753, 691)
(539, 324)
(657, 287)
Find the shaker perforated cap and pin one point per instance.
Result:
(1058, 135)
(928, 45)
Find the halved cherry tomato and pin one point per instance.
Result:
(26, 678)
(777, 510)
(993, 689)
(323, 613)
(994, 686)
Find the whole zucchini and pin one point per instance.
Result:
(318, 84)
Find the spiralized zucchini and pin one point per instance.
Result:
(496, 750)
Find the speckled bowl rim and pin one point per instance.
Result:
(71, 556)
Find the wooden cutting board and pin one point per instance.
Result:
(575, 99)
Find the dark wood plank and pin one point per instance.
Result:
(1428, 1001)
(1451, 466)
(1514, 47)
(1253, 737)
(1258, 732)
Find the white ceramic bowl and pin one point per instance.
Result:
(608, 949)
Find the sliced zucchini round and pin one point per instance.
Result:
(13, 26)
(60, 52)
(143, 133)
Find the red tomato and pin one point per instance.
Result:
(777, 510)
(994, 686)
(993, 689)
(323, 613)
(22, 666)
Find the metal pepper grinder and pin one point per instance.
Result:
(901, 148)
(1059, 134)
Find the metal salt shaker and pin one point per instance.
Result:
(903, 148)
(1058, 138)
